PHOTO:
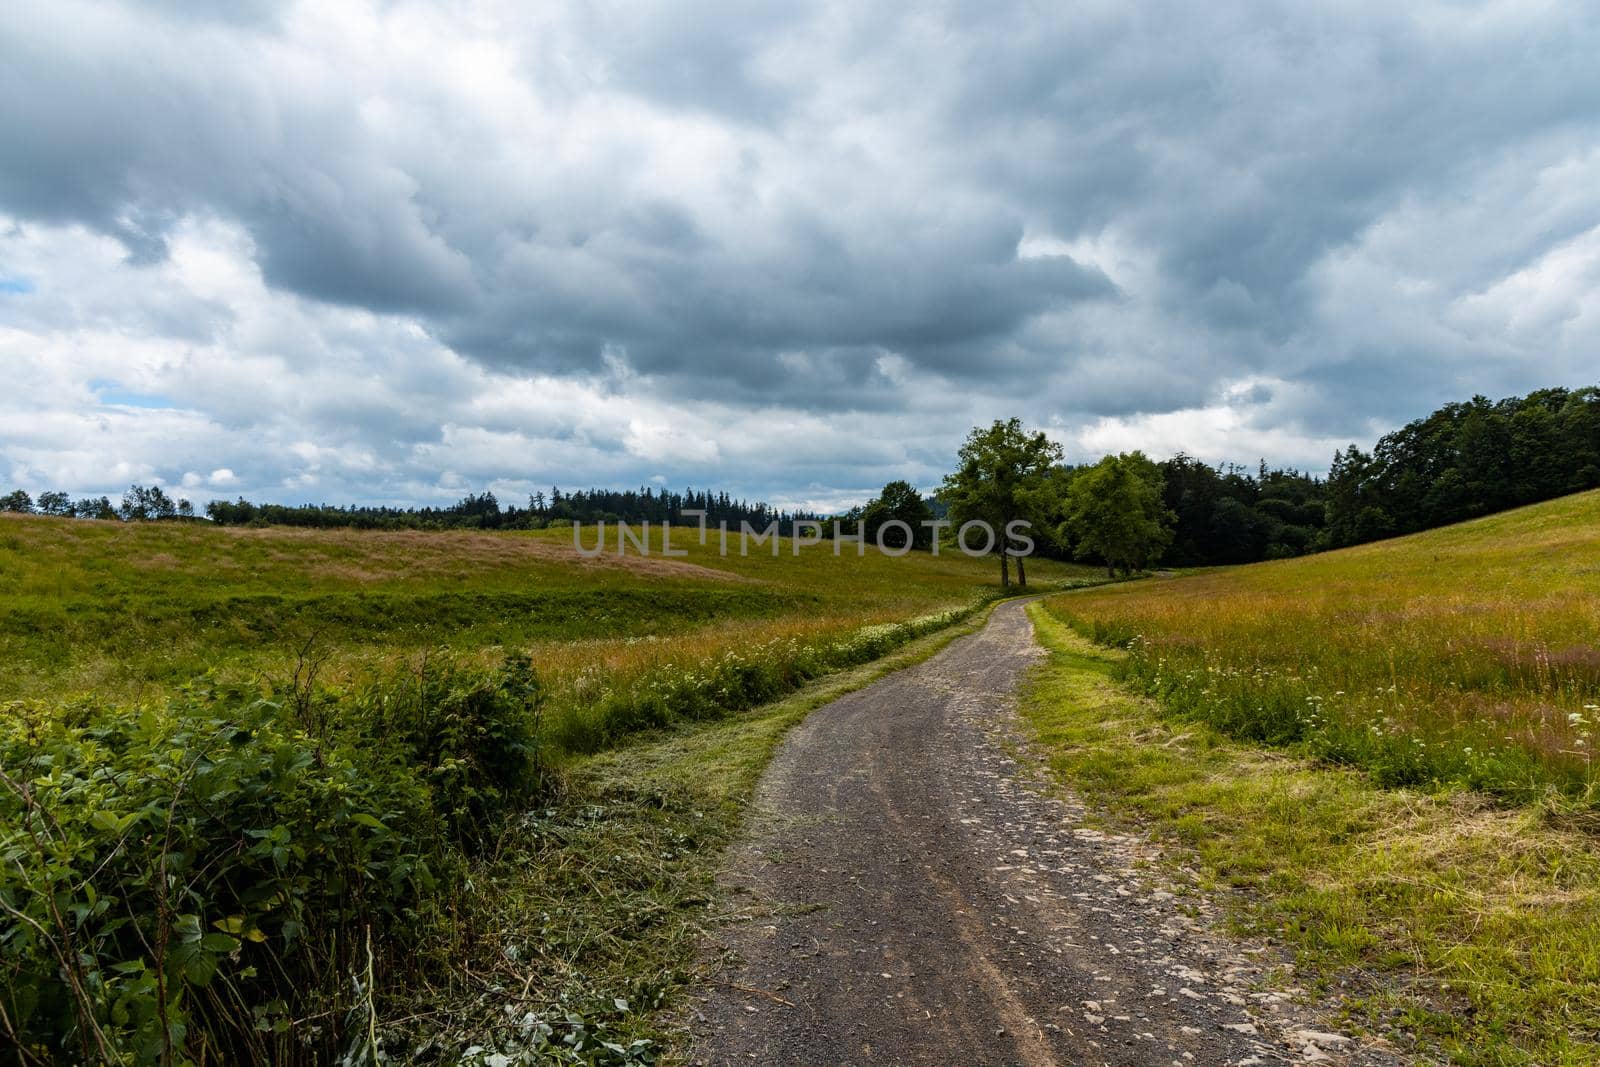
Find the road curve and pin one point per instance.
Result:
(911, 895)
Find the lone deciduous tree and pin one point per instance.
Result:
(997, 468)
(898, 501)
(1114, 511)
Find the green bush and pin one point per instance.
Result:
(165, 869)
(474, 736)
(217, 879)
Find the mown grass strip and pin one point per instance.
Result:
(1460, 926)
(585, 928)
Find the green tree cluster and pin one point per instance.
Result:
(1466, 460)
(1233, 515)
(1114, 512)
(1001, 477)
(902, 505)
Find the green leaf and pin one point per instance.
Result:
(110, 822)
(219, 943)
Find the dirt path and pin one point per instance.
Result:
(912, 897)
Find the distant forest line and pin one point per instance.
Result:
(1462, 461)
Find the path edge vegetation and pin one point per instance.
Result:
(626, 864)
(1444, 921)
(212, 869)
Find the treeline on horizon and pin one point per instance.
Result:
(1462, 461)
(481, 511)
(485, 512)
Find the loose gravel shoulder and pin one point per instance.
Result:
(910, 893)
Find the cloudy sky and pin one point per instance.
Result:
(396, 251)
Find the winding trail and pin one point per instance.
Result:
(912, 894)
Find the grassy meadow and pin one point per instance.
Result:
(1452, 925)
(123, 608)
(254, 782)
(135, 610)
(1388, 747)
(1467, 655)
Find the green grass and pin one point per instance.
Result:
(133, 609)
(1464, 656)
(414, 692)
(1385, 749)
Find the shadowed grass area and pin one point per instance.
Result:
(1468, 655)
(1459, 926)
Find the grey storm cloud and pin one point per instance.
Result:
(1075, 212)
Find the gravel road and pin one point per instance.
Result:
(909, 893)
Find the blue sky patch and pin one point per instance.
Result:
(115, 394)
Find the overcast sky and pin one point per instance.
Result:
(399, 251)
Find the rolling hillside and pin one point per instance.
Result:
(1388, 748)
(1467, 655)
(117, 609)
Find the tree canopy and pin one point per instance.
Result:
(1114, 512)
(1466, 460)
(898, 502)
(998, 471)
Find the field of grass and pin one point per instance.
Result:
(1464, 656)
(254, 784)
(124, 609)
(1452, 925)
(1388, 747)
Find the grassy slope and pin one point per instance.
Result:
(119, 609)
(1459, 923)
(1478, 645)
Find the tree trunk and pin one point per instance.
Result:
(1022, 575)
(1005, 572)
(1111, 569)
